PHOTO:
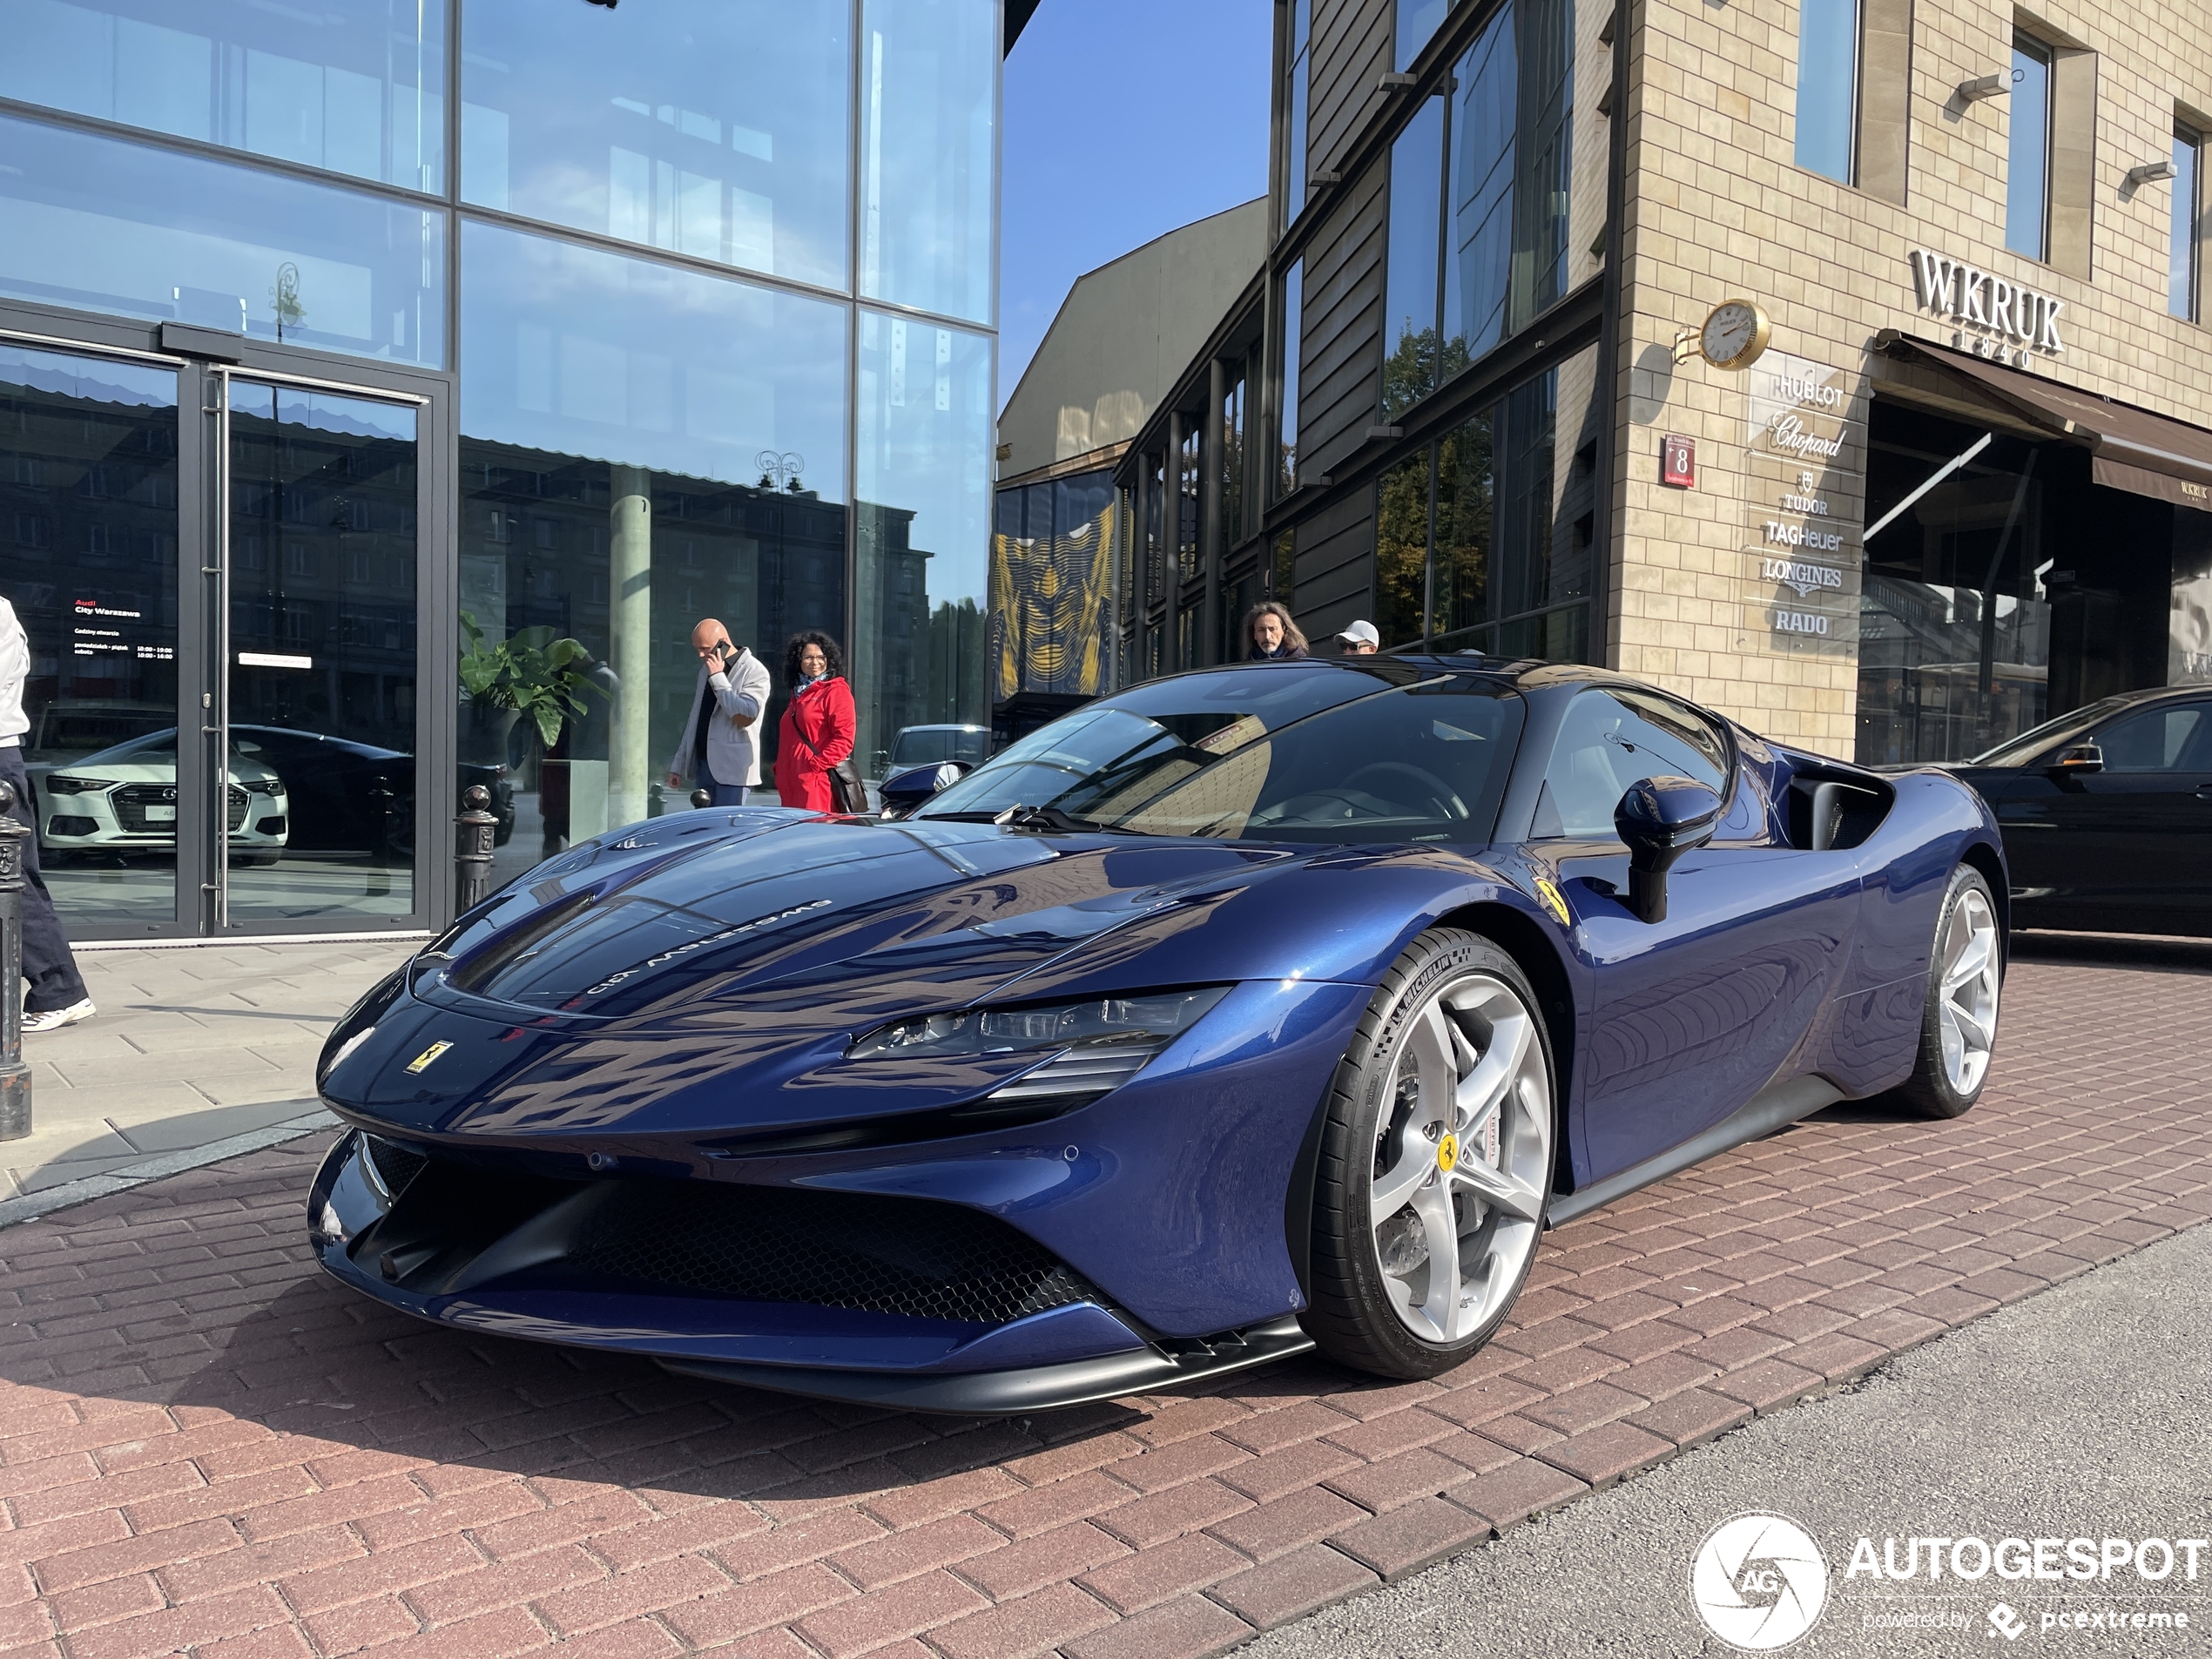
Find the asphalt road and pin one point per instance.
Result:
(2083, 1411)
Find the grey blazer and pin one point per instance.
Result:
(733, 750)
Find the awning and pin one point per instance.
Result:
(2133, 449)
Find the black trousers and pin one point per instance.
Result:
(55, 982)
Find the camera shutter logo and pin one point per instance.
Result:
(1758, 1583)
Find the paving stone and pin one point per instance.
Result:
(187, 1406)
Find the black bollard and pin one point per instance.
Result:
(701, 797)
(472, 836)
(15, 1076)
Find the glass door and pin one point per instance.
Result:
(90, 477)
(318, 510)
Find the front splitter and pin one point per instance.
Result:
(1010, 1393)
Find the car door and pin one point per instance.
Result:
(2129, 848)
(1692, 1015)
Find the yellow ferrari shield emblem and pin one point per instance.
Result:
(1447, 1153)
(1553, 902)
(426, 1057)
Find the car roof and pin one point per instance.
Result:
(1525, 673)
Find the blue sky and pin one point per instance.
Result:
(1124, 118)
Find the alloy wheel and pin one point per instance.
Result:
(1966, 997)
(1462, 1158)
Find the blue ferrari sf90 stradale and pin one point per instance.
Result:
(1249, 1011)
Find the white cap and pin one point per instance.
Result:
(1361, 633)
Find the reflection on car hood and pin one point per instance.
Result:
(154, 772)
(804, 901)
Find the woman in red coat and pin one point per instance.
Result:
(817, 728)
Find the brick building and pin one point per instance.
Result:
(1963, 486)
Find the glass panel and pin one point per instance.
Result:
(2159, 741)
(719, 130)
(1295, 170)
(1401, 552)
(1609, 741)
(1416, 209)
(2027, 164)
(643, 448)
(1467, 488)
(1960, 604)
(1292, 348)
(322, 540)
(1232, 458)
(922, 492)
(358, 89)
(1051, 625)
(101, 224)
(2182, 271)
(1827, 85)
(1515, 528)
(88, 560)
(1507, 255)
(1186, 535)
(1417, 21)
(928, 149)
(1268, 755)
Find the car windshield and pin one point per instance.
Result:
(1309, 755)
(2016, 751)
(922, 745)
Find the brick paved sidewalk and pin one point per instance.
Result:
(206, 1447)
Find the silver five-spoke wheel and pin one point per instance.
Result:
(1966, 1005)
(1462, 1158)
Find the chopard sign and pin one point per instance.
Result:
(1980, 300)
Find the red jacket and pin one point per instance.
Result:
(816, 734)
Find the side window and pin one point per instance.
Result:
(1611, 739)
(2157, 739)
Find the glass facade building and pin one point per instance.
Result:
(351, 362)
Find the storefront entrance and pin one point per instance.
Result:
(219, 553)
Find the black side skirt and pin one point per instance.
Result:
(1775, 1107)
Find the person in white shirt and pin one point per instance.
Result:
(57, 996)
(718, 750)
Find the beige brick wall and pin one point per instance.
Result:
(1715, 206)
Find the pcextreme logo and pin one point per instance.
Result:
(1758, 1583)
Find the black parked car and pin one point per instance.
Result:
(349, 796)
(2106, 813)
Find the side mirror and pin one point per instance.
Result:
(2078, 757)
(903, 792)
(1660, 819)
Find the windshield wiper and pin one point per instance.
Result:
(1038, 820)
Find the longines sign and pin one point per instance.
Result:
(2020, 319)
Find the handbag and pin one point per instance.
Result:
(847, 793)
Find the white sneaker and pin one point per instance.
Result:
(54, 1018)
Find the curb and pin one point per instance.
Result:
(86, 1188)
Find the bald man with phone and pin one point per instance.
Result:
(718, 750)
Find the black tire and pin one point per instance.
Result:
(1937, 1088)
(1350, 1315)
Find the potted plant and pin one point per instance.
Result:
(538, 676)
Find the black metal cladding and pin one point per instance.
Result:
(908, 1256)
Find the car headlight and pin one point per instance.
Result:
(57, 784)
(1150, 1022)
(273, 787)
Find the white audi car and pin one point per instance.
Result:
(124, 800)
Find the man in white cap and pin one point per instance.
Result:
(1360, 640)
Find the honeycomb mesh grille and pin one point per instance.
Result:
(396, 1162)
(839, 1250)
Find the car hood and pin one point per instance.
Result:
(153, 772)
(605, 985)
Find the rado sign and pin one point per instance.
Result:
(2020, 318)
